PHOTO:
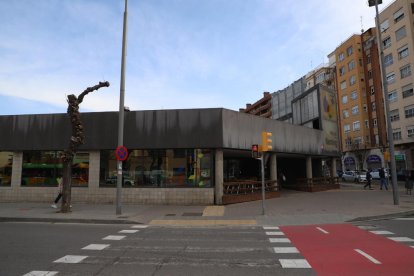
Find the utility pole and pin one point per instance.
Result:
(390, 137)
(121, 115)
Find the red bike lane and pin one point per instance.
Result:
(344, 249)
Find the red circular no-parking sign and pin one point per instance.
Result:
(121, 153)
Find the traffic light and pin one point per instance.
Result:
(266, 141)
(255, 151)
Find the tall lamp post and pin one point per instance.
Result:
(121, 115)
(387, 106)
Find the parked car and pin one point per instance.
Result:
(375, 174)
(362, 176)
(350, 176)
(339, 173)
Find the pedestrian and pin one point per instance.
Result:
(59, 196)
(408, 182)
(369, 177)
(383, 180)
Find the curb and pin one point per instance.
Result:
(380, 217)
(69, 220)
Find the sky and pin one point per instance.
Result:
(180, 53)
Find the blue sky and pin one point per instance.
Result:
(181, 53)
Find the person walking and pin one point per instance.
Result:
(369, 177)
(383, 180)
(59, 196)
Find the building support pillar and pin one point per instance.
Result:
(309, 167)
(16, 177)
(218, 178)
(273, 167)
(333, 167)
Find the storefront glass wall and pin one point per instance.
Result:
(42, 168)
(170, 168)
(6, 161)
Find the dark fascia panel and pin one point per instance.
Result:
(181, 128)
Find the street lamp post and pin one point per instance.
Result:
(387, 106)
(121, 115)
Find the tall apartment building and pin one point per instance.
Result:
(352, 105)
(262, 107)
(396, 25)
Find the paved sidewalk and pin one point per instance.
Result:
(351, 202)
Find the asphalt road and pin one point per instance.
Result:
(28, 247)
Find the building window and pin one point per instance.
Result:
(410, 131)
(355, 110)
(348, 142)
(396, 134)
(351, 65)
(343, 85)
(365, 107)
(368, 59)
(403, 52)
(400, 33)
(6, 163)
(409, 111)
(342, 71)
(384, 25)
(388, 60)
(394, 115)
(407, 90)
(347, 128)
(42, 168)
(366, 124)
(352, 80)
(349, 51)
(374, 107)
(320, 77)
(341, 57)
(375, 122)
(344, 99)
(398, 15)
(372, 90)
(358, 141)
(345, 113)
(405, 71)
(162, 168)
(369, 74)
(356, 126)
(386, 42)
(390, 77)
(392, 96)
(354, 95)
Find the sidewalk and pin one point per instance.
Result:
(349, 203)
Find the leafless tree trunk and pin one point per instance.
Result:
(76, 140)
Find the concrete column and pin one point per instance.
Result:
(309, 167)
(333, 167)
(218, 177)
(94, 166)
(16, 177)
(273, 166)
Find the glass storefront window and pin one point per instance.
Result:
(6, 161)
(42, 168)
(171, 168)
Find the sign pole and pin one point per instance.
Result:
(263, 183)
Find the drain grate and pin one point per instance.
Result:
(170, 215)
(192, 214)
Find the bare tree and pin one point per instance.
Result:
(76, 139)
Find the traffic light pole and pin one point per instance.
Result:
(263, 183)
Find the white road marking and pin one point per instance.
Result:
(275, 233)
(128, 231)
(366, 227)
(322, 230)
(71, 259)
(270, 228)
(401, 239)
(285, 250)
(114, 237)
(372, 259)
(41, 273)
(279, 240)
(139, 226)
(294, 263)
(96, 246)
(379, 232)
(412, 246)
(404, 219)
